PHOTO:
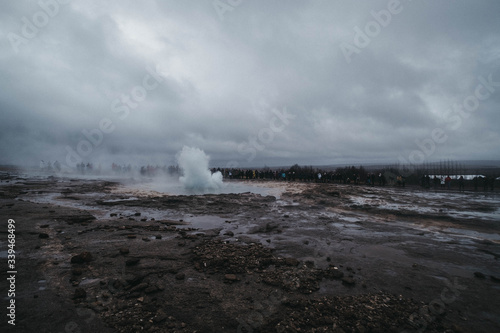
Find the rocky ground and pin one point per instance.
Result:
(97, 256)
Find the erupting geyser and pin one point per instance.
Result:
(196, 174)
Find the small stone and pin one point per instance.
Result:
(140, 299)
(81, 258)
(229, 233)
(160, 316)
(137, 214)
(146, 239)
(348, 281)
(230, 277)
(43, 235)
(113, 214)
(139, 287)
(43, 226)
(158, 236)
(291, 262)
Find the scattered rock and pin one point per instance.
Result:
(160, 316)
(137, 214)
(349, 281)
(158, 236)
(230, 277)
(134, 279)
(81, 258)
(291, 262)
(229, 233)
(139, 287)
(146, 239)
(334, 273)
(79, 293)
(124, 250)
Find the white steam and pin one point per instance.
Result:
(196, 174)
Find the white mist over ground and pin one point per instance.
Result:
(196, 175)
(196, 179)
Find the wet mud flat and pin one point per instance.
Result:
(93, 255)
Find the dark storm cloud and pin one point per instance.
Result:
(213, 75)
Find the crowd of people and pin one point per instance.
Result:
(459, 181)
(351, 175)
(345, 175)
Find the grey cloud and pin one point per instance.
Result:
(223, 78)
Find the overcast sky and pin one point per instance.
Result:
(252, 83)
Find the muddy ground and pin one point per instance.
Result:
(99, 256)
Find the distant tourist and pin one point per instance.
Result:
(461, 183)
(447, 181)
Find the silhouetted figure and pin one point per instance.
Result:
(461, 184)
(436, 181)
